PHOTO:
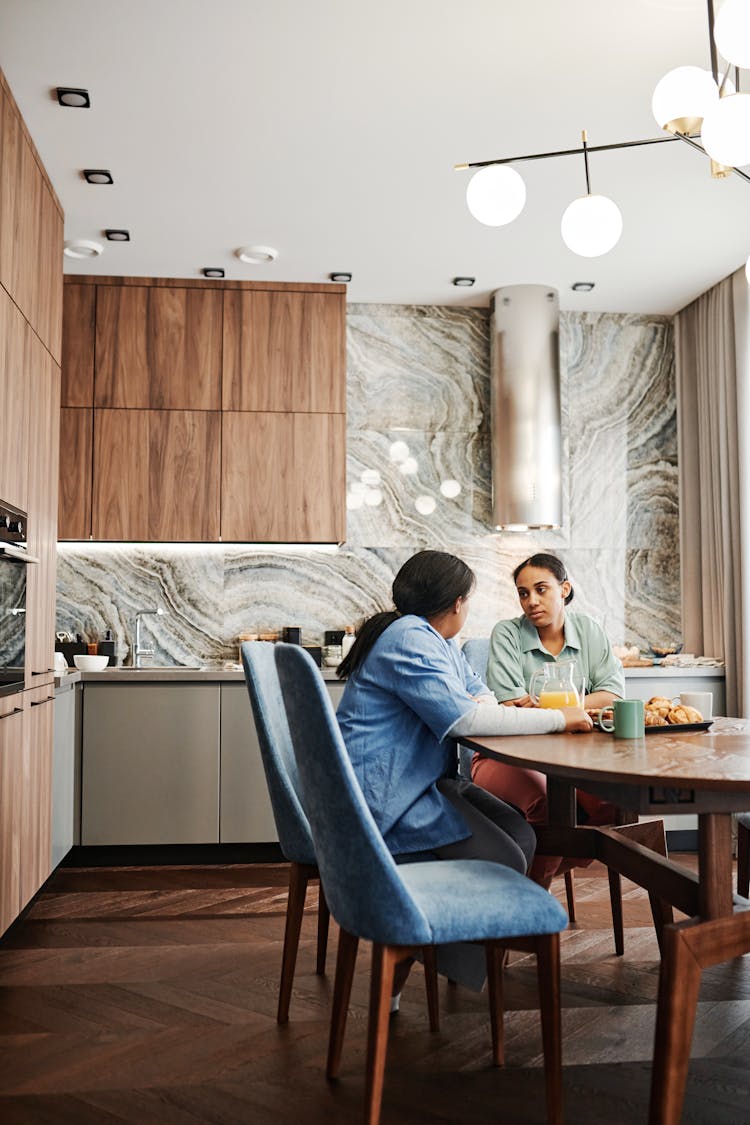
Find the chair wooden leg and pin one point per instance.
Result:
(615, 899)
(384, 960)
(429, 959)
(570, 895)
(324, 917)
(743, 860)
(299, 876)
(548, 973)
(342, 989)
(495, 960)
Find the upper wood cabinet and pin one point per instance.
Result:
(31, 229)
(14, 405)
(76, 449)
(79, 310)
(158, 348)
(156, 475)
(283, 477)
(284, 350)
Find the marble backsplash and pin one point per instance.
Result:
(418, 476)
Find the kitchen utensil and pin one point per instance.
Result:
(557, 684)
(627, 720)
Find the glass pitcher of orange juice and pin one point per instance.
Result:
(557, 685)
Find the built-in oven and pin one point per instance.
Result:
(14, 561)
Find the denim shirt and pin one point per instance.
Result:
(394, 715)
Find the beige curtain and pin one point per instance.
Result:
(713, 404)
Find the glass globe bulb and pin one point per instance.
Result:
(591, 225)
(726, 131)
(682, 97)
(496, 195)
(732, 32)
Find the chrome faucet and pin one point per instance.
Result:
(138, 650)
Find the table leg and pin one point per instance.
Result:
(679, 984)
(714, 864)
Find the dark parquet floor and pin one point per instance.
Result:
(148, 995)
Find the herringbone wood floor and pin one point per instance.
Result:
(148, 995)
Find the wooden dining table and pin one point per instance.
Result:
(662, 773)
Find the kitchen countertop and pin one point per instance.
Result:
(227, 675)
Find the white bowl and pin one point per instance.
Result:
(91, 663)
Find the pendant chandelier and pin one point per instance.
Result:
(704, 109)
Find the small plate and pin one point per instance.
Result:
(680, 728)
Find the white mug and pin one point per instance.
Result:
(703, 701)
(61, 664)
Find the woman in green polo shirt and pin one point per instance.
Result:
(547, 631)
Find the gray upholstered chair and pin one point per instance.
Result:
(400, 908)
(291, 823)
(743, 854)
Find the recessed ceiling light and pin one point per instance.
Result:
(98, 175)
(466, 282)
(582, 286)
(345, 278)
(212, 271)
(118, 235)
(82, 248)
(75, 99)
(256, 255)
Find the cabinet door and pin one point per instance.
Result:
(158, 348)
(62, 827)
(284, 351)
(11, 789)
(77, 368)
(48, 275)
(74, 499)
(283, 477)
(150, 764)
(14, 405)
(43, 468)
(156, 475)
(36, 797)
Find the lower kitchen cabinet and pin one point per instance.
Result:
(246, 813)
(64, 771)
(150, 763)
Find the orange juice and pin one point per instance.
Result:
(558, 699)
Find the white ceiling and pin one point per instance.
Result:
(329, 129)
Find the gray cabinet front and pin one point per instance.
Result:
(150, 768)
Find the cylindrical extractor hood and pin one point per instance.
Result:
(525, 408)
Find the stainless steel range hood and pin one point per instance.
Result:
(525, 408)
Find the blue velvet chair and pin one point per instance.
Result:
(477, 652)
(400, 908)
(291, 823)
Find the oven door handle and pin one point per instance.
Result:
(18, 554)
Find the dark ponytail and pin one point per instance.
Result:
(543, 561)
(428, 583)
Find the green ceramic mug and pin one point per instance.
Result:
(628, 718)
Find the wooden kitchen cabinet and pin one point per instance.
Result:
(65, 743)
(283, 477)
(36, 795)
(156, 475)
(284, 351)
(14, 405)
(11, 797)
(76, 448)
(150, 763)
(79, 311)
(43, 462)
(158, 348)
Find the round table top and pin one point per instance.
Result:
(716, 759)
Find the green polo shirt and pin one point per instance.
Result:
(516, 652)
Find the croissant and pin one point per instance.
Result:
(660, 705)
(684, 714)
(654, 719)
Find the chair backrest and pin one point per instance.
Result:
(477, 652)
(276, 751)
(362, 885)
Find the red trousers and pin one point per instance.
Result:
(527, 790)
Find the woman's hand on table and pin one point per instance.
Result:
(521, 701)
(576, 720)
